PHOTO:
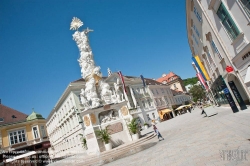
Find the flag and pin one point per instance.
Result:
(202, 68)
(202, 80)
(198, 67)
(143, 81)
(123, 84)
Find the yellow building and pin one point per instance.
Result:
(23, 138)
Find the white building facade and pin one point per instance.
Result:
(218, 32)
(64, 124)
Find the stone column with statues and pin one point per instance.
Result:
(100, 107)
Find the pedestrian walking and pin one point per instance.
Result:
(203, 112)
(158, 133)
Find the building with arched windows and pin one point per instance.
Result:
(218, 35)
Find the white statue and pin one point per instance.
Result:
(89, 71)
(84, 101)
(105, 93)
(119, 94)
(109, 72)
(108, 117)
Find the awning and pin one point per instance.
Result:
(183, 106)
(162, 112)
(20, 156)
(165, 111)
(180, 107)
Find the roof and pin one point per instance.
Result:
(167, 77)
(10, 115)
(149, 81)
(82, 80)
(34, 116)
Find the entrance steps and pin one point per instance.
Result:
(118, 152)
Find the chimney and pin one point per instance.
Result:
(0, 101)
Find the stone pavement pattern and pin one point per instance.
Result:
(192, 139)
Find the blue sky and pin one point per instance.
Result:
(38, 57)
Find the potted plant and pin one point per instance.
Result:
(84, 141)
(145, 125)
(133, 128)
(105, 137)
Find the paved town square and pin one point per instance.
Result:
(193, 139)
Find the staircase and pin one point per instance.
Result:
(112, 155)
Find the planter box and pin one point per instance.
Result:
(135, 136)
(108, 146)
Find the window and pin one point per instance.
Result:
(162, 90)
(195, 39)
(246, 6)
(17, 136)
(1, 119)
(227, 22)
(216, 49)
(175, 86)
(35, 132)
(43, 132)
(156, 102)
(143, 104)
(148, 117)
(197, 14)
(153, 114)
(152, 91)
(149, 103)
(156, 91)
(211, 59)
(137, 104)
(133, 90)
(196, 31)
(166, 100)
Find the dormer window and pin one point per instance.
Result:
(1, 119)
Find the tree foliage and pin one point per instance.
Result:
(133, 126)
(104, 135)
(191, 81)
(198, 92)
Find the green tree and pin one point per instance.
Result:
(191, 81)
(198, 92)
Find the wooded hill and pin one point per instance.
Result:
(191, 81)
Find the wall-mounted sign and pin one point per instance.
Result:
(237, 95)
(229, 69)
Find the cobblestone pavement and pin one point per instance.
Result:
(192, 139)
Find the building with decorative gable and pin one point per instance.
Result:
(174, 81)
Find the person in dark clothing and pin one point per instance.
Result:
(203, 112)
(158, 133)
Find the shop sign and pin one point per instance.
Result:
(230, 100)
(229, 69)
(237, 95)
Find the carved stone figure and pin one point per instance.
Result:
(84, 101)
(105, 92)
(109, 116)
(109, 72)
(119, 95)
(89, 71)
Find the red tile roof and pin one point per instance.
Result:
(10, 115)
(167, 77)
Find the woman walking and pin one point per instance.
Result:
(158, 133)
